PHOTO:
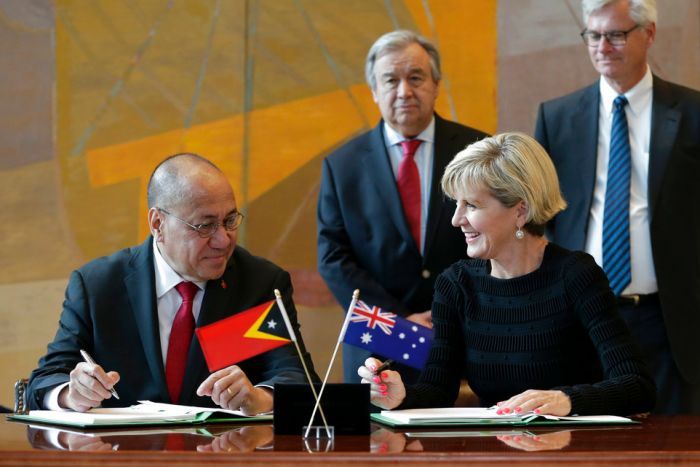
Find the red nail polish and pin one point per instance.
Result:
(499, 412)
(537, 411)
(518, 409)
(376, 379)
(506, 410)
(383, 387)
(385, 374)
(517, 438)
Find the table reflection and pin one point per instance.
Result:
(202, 439)
(238, 438)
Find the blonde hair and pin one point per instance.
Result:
(513, 167)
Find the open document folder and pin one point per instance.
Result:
(476, 416)
(144, 413)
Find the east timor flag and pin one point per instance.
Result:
(243, 335)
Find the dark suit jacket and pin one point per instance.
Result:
(567, 127)
(364, 241)
(110, 311)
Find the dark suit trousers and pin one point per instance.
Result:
(674, 394)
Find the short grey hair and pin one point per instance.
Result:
(395, 41)
(642, 12)
(168, 185)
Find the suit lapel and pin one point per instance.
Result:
(378, 167)
(584, 126)
(444, 149)
(665, 120)
(140, 286)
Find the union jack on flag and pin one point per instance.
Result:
(388, 335)
(374, 316)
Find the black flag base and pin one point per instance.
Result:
(346, 407)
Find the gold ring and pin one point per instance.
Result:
(229, 391)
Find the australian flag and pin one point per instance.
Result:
(388, 335)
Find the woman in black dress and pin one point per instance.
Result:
(530, 325)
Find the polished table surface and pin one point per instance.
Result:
(658, 439)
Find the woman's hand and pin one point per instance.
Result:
(387, 390)
(537, 401)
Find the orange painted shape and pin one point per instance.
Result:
(469, 56)
(282, 139)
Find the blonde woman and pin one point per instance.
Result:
(532, 326)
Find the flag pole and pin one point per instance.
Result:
(293, 336)
(341, 336)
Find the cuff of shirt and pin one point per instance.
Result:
(51, 399)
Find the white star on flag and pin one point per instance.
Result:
(271, 324)
(366, 338)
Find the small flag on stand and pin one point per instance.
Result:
(388, 335)
(242, 336)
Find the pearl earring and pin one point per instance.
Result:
(519, 234)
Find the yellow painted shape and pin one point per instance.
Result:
(254, 333)
(282, 139)
(466, 35)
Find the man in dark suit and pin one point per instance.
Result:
(659, 290)
(127, 309)
(383, 224)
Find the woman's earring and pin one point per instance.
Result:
(519, 234)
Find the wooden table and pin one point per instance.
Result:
(657, 440)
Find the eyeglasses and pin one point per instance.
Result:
(208, 229)
(616, 38)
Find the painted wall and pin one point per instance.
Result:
(94, 94)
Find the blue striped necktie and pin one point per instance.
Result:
(616, 217)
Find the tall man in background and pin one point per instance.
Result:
(135, 311)
(383, 224)
(627, 151)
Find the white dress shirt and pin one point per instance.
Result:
(638, 112)
(424, 161)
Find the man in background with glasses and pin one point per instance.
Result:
(135, 310)
(627, 151)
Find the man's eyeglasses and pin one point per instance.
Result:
(208, 229)
(616, 38)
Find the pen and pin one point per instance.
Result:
(383, 366)
(89, 359)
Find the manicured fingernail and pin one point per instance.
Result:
(499, 412)
(385, 374)
(536, 438)
(384, 394)
(382, 387)
(518, 409)
(537, 411)
(377, 379)
(516, 438)
(506, 410)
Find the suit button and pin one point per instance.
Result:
(425, 273)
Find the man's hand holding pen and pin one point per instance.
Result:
(88, 386)
(387, 389)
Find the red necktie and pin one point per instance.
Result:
(180, 338)
(409, 187)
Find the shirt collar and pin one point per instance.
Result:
(394, 137)
(166, 277)
(637, 96)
